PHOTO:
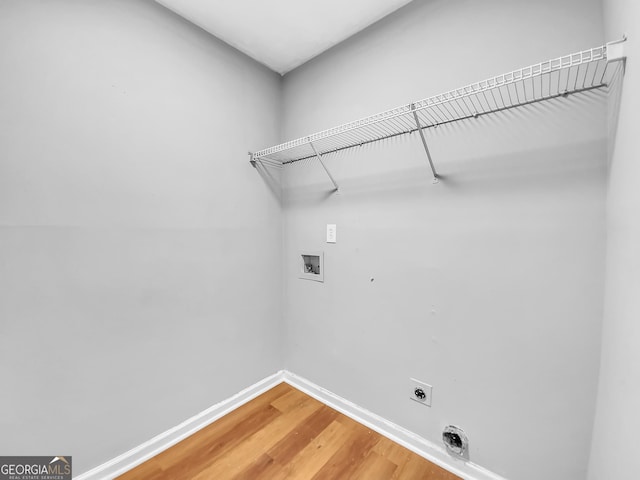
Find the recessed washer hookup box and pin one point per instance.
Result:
(311, 266)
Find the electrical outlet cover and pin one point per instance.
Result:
(426, 389)
(331, 232)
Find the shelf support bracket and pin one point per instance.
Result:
(615, 50)
(263, 161)
(323, 165)
(424, 143)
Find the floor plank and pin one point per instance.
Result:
(311, 458)
(374, 467)
(356, 445)
(236, 460)
(284, 434)
(285, 450)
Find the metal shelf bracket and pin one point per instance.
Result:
(319, 157)
(424, 144)
(255, 160)
(615, 50)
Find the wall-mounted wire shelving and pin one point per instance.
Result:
(575, 73)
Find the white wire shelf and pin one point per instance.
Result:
(575, 73)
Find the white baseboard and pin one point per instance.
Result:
(426, 449)
(141, 453)
(432, 452)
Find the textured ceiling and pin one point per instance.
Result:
(283, 34)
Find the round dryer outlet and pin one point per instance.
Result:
(455, 440)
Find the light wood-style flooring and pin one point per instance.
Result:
(285, 434)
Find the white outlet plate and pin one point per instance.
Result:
(426, 388)
(331, 232)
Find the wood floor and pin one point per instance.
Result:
(285, 434)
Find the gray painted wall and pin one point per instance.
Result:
(138, 250)
(488, 286)
(615, 437)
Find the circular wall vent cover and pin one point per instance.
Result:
(455, 440)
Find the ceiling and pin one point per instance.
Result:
(283, 34)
